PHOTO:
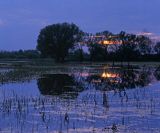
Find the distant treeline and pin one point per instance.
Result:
(79, 55)
(21, 54)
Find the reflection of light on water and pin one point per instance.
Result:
(96, 81)
(109, 75)
(82, 74)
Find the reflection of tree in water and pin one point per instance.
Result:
(133, 78)
(145, 77)
(112, 79)
(121, 79)
(58, 84)
(105, 101)
(157, 73)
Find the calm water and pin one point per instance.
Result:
(82, 100)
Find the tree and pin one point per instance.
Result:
(129, 48)
(105, 33)
(157, 48)
(97, 52)
(144, 44)
(55, 40)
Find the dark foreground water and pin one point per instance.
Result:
(85, 100)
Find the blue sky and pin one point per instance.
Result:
(21, 20)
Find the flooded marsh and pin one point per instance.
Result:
(83, 98)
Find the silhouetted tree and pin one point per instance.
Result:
(55, 40)
(129, 48)
(157, 48)
(105, 33)
(97, 52)
(79, 54)
(144, 45)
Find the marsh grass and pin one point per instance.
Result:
(124, 104)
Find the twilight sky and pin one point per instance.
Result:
(21, 20)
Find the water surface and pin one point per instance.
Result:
(85, 100)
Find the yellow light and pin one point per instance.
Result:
(109, 75)
(106, 42)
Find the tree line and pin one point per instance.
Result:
(62, 42)
(20, 54)
(57, 40)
